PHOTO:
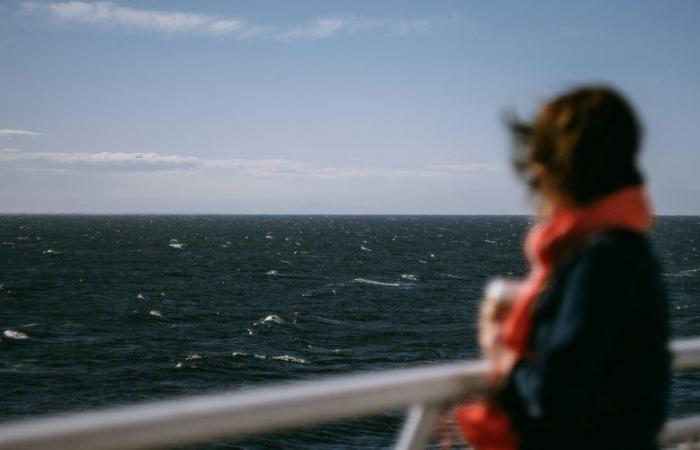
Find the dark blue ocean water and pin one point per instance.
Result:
(118, 309)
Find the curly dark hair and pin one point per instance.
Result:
(583, 143)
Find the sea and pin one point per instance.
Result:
(98, 311)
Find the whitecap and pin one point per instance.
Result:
(237, 354)
(456, 277)
(273, 318)
(155, 313)
(272, 272)
(193, 357)
(260, 356)
(683, 273)
(690, 271)
(51, 252)
(320, 292)
(178, 366)
(293, 359)
(490, 241)
(375, 283)
(140, 296)
(176, 245)
(17, 335)
(409, 277)
(362, 247)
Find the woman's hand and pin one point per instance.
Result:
(491, 316)
(489, 324)
(502, 359)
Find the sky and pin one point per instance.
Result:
(323, 107)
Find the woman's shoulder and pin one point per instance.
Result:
(616, 248)
(616, 263)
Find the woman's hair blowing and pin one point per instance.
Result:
(583, 143)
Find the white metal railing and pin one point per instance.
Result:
(421, 390)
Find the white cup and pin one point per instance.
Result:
(502, 290)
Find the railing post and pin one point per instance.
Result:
(418, 427)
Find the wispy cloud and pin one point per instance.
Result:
(9, 133)
(109, 161)
(114, 16)
(329, 26)
(319, 29)
(118, 162)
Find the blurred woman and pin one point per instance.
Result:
(579, 348)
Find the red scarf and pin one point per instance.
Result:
(482, 423)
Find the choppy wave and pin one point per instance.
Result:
(174, 243)
(272, 318)
(321, 292)
(265, 324)
(263, 357)
(683, 273)
(16, 335)
(375, 283)
(288, 358)
(456, 277)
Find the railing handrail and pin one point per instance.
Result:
(233, 414)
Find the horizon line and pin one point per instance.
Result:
(285, 214)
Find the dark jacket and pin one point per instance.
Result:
(598, 377)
